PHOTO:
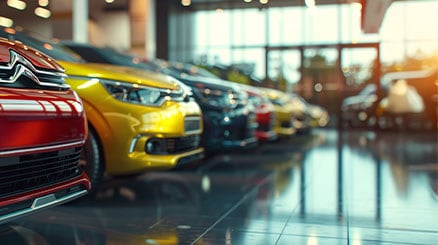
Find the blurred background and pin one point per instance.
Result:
(370, 64)
(324, 50)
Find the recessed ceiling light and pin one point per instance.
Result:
(6, 22)
(42, 12)
(186, 2)
(43, 3)
(17, 4)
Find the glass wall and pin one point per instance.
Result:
(236, 36)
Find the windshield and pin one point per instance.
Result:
(50, 48)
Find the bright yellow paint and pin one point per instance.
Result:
(283, 113)
(118, 123)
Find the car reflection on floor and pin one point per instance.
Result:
(294, 191)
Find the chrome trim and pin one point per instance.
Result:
(40, 204)
(42, 148)
(23, 67)
(43, 201)
(133, 143)
(165, 94)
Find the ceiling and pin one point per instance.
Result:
(373, 11)
(227, 4)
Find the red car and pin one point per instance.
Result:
(42, 131)
(265, 116)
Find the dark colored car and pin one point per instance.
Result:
(264, 109)
(42, 131)
(228, 117)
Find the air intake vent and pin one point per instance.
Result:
(19, 174)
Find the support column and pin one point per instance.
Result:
(142, 15)
(80, 21)
(151, 47)
(162, 29)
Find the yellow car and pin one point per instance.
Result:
(138, 120)
(284, 111)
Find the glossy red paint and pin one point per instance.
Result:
(39, 117)
(38, 59)
(42, 129)
(264, 116)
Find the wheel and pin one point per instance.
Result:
(91, 159)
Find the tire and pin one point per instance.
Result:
(91, 159)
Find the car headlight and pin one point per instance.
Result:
(137, 94)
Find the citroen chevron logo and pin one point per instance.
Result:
(20, 66)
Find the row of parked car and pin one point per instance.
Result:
(72, 113)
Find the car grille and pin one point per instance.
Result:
(286, 124)
(28, 172)
(246, 129)
(162, 146)
(20, 73)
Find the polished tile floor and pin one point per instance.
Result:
(326, 187)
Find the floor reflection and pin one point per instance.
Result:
(327, 187)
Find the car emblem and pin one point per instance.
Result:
(20, 66)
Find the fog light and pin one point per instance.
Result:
(153, 146)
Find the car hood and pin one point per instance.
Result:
(38, 59)
(120, 73)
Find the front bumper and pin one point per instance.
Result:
(285, 127)
(266, 135)
(265, 129)
(139, 160)
(284, 121)
(27, 203)
(132, 148)
(234, 129)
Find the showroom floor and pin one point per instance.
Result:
(382, 190)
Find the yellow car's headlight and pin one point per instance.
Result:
(139, 94)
